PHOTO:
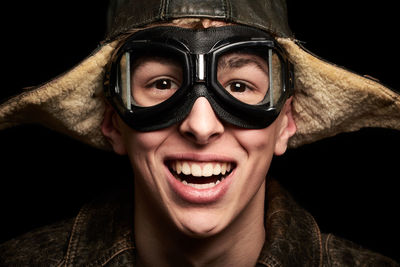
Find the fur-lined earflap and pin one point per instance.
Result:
(72, 103)
(329, 100)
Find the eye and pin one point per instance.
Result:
(163, 84)
(237, 87)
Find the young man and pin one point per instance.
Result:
(203, 177)
(200, 106)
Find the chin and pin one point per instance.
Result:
(201, 224)
(200, 231)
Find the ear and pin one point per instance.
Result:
(111, 129)
(286, 128)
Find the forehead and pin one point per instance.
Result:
(199, 40)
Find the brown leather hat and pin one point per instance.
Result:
(328, 99)
(265, 14)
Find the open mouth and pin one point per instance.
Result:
(200, 175)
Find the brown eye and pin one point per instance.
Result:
(237, 87)
(163, 84)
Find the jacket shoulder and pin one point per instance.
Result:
(341, 252)
(45, 246)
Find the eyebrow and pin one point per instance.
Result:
(139, 61)
(238, 62)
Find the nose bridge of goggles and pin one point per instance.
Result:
(200, 68)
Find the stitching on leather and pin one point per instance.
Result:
(272, 261)
(263, 263)
(318, 232)
(111, 253)
(228, 9)
(224, 9)
(75, 235)
(61, 263)
(327, 249)
(116, 253)
(162, 9)
(165, 11)
(269, 216)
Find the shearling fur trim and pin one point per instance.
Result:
(328, 100)
(71, 103)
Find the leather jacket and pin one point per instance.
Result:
(101, 235)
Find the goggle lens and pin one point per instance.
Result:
(252, 76)
(149, 78)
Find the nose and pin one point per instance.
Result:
(201, 126)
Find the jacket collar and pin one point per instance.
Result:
(103, 231)
(293, 237)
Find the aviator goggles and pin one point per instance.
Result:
(158, 73)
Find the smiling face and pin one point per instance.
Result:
(201, 175)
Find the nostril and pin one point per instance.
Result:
(201, 125)
(214, 135)
(190, 135)
(200, 139)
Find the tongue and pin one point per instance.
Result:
(200, 180)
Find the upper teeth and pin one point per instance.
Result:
(197, 170)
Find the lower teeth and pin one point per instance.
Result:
(201, 186)
(217, 179)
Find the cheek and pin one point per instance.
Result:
(142, 148)
(259, 145)
(143, 142)
(257, 141)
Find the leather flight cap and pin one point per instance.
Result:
(268, 15)
(327, 99)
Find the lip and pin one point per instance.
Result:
(194, 195)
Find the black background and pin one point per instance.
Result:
(348, 182)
